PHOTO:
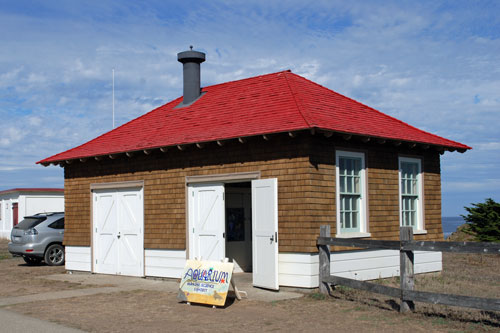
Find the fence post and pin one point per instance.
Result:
(324, 260)
(406, 261)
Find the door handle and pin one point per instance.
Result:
(274, 238)
(118, 236)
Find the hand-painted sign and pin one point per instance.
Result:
(205, 282)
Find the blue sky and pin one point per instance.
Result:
(435, 65)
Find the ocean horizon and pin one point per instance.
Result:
(450, 224)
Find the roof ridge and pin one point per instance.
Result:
(295, 98)
(381, 113)
(247, 78)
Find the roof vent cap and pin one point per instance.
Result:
(191, 61)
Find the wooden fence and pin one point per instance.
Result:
(406, 245)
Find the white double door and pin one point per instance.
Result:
(118, 226)
(207, 227)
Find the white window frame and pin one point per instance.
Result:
(363, 220)
(419, 227)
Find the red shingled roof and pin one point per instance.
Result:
(272, 103)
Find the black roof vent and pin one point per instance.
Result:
(191, 61)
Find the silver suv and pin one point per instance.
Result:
(39, 237)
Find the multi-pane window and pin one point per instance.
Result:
(350, 184)
(409, 170)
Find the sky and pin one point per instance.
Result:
(432, 64)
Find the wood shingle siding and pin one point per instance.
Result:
(304, 166)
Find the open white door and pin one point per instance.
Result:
(206, 222)
(265, 233)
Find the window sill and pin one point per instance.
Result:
(420, 232)
(354, 235)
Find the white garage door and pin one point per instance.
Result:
(118, 225)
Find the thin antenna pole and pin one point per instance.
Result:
(113, 98)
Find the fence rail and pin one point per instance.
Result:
(457, 247)
(406, 245)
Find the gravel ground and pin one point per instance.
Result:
(18, 279)
(347, 310)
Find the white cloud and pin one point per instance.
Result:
(487, 146)
(483, 186)
(10, 135)
(433, 66)
(34, 121)
(10, 77)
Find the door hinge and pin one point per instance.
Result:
(96, 261)
(223, 195)
(192, 193)
(223, 235)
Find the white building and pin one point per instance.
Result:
(17, 203)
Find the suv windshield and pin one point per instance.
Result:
(30, 222)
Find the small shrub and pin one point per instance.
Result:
(483, 221)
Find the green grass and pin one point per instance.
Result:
(343, 288)
(440, 321)
(356, 308)
(318, 296)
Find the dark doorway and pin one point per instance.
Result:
(238, 205)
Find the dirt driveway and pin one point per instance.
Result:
(17, 278)
(154, 311)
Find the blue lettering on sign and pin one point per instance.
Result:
(211, 275)
(189, 273)
(207, 285)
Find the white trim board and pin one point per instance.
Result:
(116, 185)
(299, 270)
(224, 177)
(77, 258)
(376, 264)
(161, 263)
(165, 263)
(302, 269)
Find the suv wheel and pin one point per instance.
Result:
(54, 255)
(32, 261)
